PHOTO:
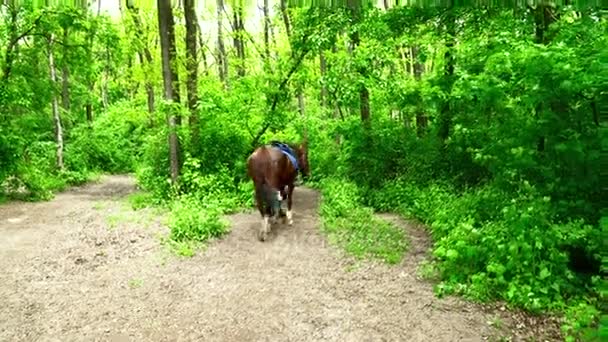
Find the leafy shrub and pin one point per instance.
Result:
(191, 221)
(493, 244)
(355, 227)
(112, 143)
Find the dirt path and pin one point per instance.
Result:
(84, 267)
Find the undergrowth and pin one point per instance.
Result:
(490, 244)
(355, 228)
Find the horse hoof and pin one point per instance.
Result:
(262, 236)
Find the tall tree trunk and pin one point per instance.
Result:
(266, 32)
(300, 94)
(139, 33)
(167, 44)
(239, 43)
(9, 56)
(192, 70)
(90, 75)
(418, 68)
(354, 8)
(285, 17)
(323, 71)
(55, 108)
(544, 16)
(106, 76)
(89, 106)
(222, 57)
(149, 87)
(363, 91)
(65, 72)
(445, 116)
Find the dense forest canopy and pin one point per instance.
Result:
(484, 122)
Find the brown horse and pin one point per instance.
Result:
(272, 168)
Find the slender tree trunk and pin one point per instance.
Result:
(10, 49)
(192, 70)
(418, 68)
(266, 32)
(299, 92)
(106, 76)
(149, 88)
(239, 43)
(363, 91)
(323, 70)
(90, 75)
(544, 16)
(222, 57)
(147, 63)
(285, 17)
(167, 43)
(445, 116)
(65, 72)
(89, 106)
(55, 108)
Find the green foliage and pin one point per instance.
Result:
(112, 143)
(511, 196)
(191, 221)
(355, 227)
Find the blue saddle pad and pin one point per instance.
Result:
(286, 151)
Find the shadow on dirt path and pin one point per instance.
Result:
(84, 266)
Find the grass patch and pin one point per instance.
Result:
(140, 200)
(355, 228)
(189, 220)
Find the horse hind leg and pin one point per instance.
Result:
(289, 216)
(265, 229)
(265, 211)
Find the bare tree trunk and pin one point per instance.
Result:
(192, 70)
(55, 108)
(266, 32)
(323, 70)
(167, 43)
(90, 76)
(544, 16)
(149, 88)
(300, 95)
(148, 58)
(421, 118)
(222, 58)
(285, 17)
(239, 43)
(65, 73)
(104, 86)
(89, 106)
(363, 91)
(445, 115)
(10, 49)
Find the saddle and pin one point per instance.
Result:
(287, 151)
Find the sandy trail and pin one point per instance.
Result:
(85, 267)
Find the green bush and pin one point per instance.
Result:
(111, 144)
(491, 244)
(355, 227)
(191, 221)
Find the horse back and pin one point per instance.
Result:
(269, 165)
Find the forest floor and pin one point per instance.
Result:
(85, 266)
